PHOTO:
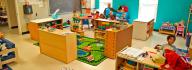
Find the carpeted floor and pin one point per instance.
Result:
(90, 50)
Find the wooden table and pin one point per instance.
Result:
(34, 25)
(143, 29)
(147, 61)
(86, 18)
(59, 44)
(117, 40)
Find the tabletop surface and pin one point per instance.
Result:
(44, 20)
(146, 61)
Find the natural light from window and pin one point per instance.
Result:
(147, 9)
(103, 5)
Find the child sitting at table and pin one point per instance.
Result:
(95, 16)
(102, 16)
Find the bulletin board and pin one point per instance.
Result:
(65, 6)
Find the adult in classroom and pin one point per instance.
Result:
(108, 10)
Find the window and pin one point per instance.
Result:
(103, 4)
(147, 9)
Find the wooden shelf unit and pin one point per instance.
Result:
(34, 25)
(100, 34)
(142, 30)
(58, 44)
(121, 58)
(117, 40)
(6, 51)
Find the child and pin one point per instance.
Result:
(96, 16)
(170, 41)
(102, 16)
(112, 17)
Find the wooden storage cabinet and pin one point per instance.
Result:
(117, 40)
(142, 30)
(58, 46)
(122, 58)
(34, 25)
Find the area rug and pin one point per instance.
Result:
(90, 50)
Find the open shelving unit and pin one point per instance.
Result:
(6, 51)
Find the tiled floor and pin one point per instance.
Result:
(31, 59)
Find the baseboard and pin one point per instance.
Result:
(13, 27)
(27, 32)
(156, 30)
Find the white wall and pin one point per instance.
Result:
(38, 12)
(148, 9)
(11, 13)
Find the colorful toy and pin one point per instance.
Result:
(88, 48)
(55, 14)
(180, 29)
(167, 28)
(90, 58)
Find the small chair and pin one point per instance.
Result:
(180, 30)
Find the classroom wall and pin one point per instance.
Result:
(168, 10)
(173, 11)
(38, 12)
(133, 6)
(97, 4)
(11, 13)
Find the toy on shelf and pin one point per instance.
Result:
(8, 53)
(66, 24)
(100, 34)
(180, 29)
(77, 27)
(167, 28)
